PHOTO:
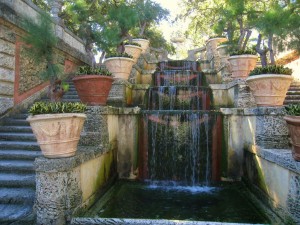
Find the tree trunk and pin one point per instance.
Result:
(270, 46)
(249, 32)
(262, 52)
(55, 92)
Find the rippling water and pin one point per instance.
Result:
(168, 200)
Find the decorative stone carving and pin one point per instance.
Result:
(120, 67)
(269, 89)
(241, 65)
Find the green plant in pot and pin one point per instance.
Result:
(293, 121)
(56, 125)
(134, 49)
(242, 61)
(93, 84)
(270, 84)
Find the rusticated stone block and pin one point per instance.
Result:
(6, 89)
(7, 74)
(7, 47)
(7, 34)
(7, 61)
(5, 104)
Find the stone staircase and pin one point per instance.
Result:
(293, 94)
(18, 150)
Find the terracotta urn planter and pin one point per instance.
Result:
(133, 50)
(241, 65)
(269, 89)
(57, 134)
(120, 67)
(143, 42)
(93, 89)
(293, 123)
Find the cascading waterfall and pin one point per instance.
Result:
(179, 127)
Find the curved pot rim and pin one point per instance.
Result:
(263, 76)
(140, 39)
(216, 38)
(119, 58)
(54, 116)
(134, 46)
(243, 56)
(293, 119)
(91, 76)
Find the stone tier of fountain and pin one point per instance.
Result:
(181, 134)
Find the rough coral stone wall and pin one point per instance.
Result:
(58, 194)
(29, 72)
(293, 201)
(7, 67)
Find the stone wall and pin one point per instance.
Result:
(275, 178)
(19, 78)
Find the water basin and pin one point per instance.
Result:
(225, 202)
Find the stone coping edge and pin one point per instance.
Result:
(110, 110)
(256, 111)
(114, 221)
(281, 157)
(229, 85)
(83, 154)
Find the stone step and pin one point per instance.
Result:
(16, 129)
(17, 136)
(16, 180)
(17, 195)
(292, 97)
(10, 213)
(20, 116)
(19, 154)
(15, 122)
(71, 97)
(288, 101)
(17, 165)
(19, 145)
(293, 92)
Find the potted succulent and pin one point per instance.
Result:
(56, 125)
(269, 84)
(242, 62)
(134, 49)
(93, 85)
(119, 64)
(293, 121)
(143, 42)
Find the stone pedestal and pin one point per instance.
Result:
(120, 94)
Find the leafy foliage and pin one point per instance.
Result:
(88, 70)
(56, 107)
(271, 69)
(132, 43)
(293, 109)
(40, 43)
(243, 52)
(116, 54)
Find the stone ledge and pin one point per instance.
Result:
(115, 221)
(83, 154)
(281, 157)
(256, 111)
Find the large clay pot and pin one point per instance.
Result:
(120, 67)
(241, 65)
(57, 134)
(293, 123)
(143, 42)
(133, 50)
(269, 89)
(93, 89)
